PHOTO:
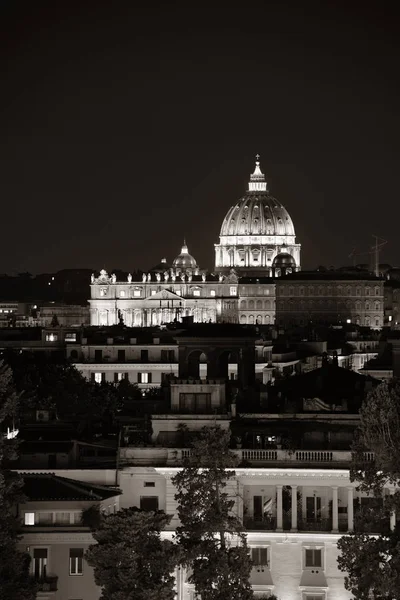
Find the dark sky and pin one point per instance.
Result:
(125, 128)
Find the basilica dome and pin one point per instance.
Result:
(184, 260)
(257, 213)
(257, 233)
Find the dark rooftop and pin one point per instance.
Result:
(48, 486)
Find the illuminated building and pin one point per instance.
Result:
(257, 236)
(256, 260)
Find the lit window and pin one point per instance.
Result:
(178, 292)
(233, 290)
(313, 557)
(153, 292)
(29, 518)
(196, 292)
(70, 337)
(122, 293)
(76, 561)
(98, 377)
(51, 337)
(144, 377)
(103, 291)
(136, 293)
(212, 292)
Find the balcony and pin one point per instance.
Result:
(266, 524)
(48, 583)
(162, 456)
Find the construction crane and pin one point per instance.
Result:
(373, 253)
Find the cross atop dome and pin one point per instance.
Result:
(257, 181)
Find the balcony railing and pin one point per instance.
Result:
(162, 456)
(47, 583)
(266, 524)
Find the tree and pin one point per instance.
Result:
(212, 539)
(15, 581)
(372, 563)
(130, 560)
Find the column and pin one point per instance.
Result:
(171, 504)
(294, 508)
(279, 526)
(350, 509)
(335, 515)
(392, 517)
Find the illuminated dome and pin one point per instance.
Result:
(184, 260)
(255, 231)
(257, 213)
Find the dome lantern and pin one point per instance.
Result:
(257, 181)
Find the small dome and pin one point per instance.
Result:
(284, 260)
(184, 260)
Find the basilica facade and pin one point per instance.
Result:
(257, 249)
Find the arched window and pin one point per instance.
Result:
(259, 320)
(243, 319)
(251, 304)
(259, 304)
(367, 321)
(251, 319)
(367, 306)
(377, 291)
(243, 305)
(367, 291)
(377, 306)
(267, 319)
(267, 305)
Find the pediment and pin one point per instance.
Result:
(165, 295)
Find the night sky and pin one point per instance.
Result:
(126, 128)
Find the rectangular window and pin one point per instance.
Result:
(196, 292)
(212, 292)
(70, 337)
(51, 337)
(98, 377)
(44, 518)
(98, 355)
(313, 508)
(233, 290)
(144, 378)
(136, 293)
(39, 563)
(29, 518)
(313, 557)
(122, 293)
(121, 355)
(314, 597)
(149, 484)
(144, 355)
(149, 503)
(62, 518)
(259, 556)
(258, 508)
(153, 292)
(76, 561)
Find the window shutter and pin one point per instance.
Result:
(149, 378)
(115, 377)
(309, 558)
(126, 376)
(92, 377)
(139, 378)
(103, 377)
(264, 556)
